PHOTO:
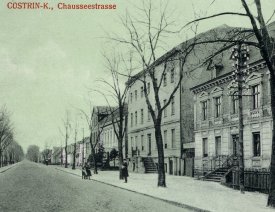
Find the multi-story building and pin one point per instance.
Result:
(141, 134)
(104, 120)
(216, 117)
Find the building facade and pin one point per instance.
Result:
(216, 120)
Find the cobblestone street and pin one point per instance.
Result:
(35, 187)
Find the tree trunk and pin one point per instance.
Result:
(1, 153)
(120, 156)
(161, 169)
(271, 196)
(74, 154)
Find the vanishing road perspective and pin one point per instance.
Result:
(35, 187)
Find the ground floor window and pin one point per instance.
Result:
(218, 145)
(256, 144)
(205, 147)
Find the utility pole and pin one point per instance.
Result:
(240, 55)
(83, 148)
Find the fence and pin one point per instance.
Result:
(254, 180)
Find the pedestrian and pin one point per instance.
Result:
(125, 174)
(88, 171)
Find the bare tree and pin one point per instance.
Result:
(145, 36)
(75, 141)
(6, 132)
(119, 68)
(14, 152)
(67, 128)
(94, 138)
(33, 153)
(265, 44)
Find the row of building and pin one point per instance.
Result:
(200, 125)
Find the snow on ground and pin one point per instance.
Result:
(189, 191)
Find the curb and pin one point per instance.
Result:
(8, 168)
(181, 205)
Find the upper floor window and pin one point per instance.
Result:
(136, 118)
(141, 92)
(217, 106)
(165, 109)
(256, 144)
(173, 138)
(165, 139)
(141, 116)
(131, 97)
(149, 115)
(235, 103)
(172, 75)
(255, 96)
(148, 87)
(173, 105)
(131, 119)
(164, 79)
(204, 110)
(135, 94)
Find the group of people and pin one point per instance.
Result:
(86, 171)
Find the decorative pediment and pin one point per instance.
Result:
(232, 85)
(255, 76)
(203, 94)
(216, 90)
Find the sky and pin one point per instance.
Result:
(50, 60)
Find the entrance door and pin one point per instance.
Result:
(235, 140)
(170, 166)
(149, 144)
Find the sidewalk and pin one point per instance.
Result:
(6, 168)
(187, 191)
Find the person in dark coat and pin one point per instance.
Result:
(88, 171)
(125, 174)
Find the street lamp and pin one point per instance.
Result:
(240, 53)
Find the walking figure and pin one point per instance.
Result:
(125, 174)
(88, 171)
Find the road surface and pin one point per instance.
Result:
(35, 187)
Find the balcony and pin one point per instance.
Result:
(255, 113)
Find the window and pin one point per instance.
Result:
(217, 106)
(164, 80)
(149, 115)
(172, 75)
(204, 110)
(173, 138)
(135, 94)
(132, 143)
(141, 116)
(165, 110)
(256, 144)
(255, 97)
(142, 142)
(136, 118)
(235, 103)
(205, 147)
(173, 105)
(218, 145)
(141, 92)
(165, 139)
(132, 119)
(136, 142)
(148, 87)
(131, 97)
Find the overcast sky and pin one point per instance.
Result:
(48, 59)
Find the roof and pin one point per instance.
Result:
(205, 50)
